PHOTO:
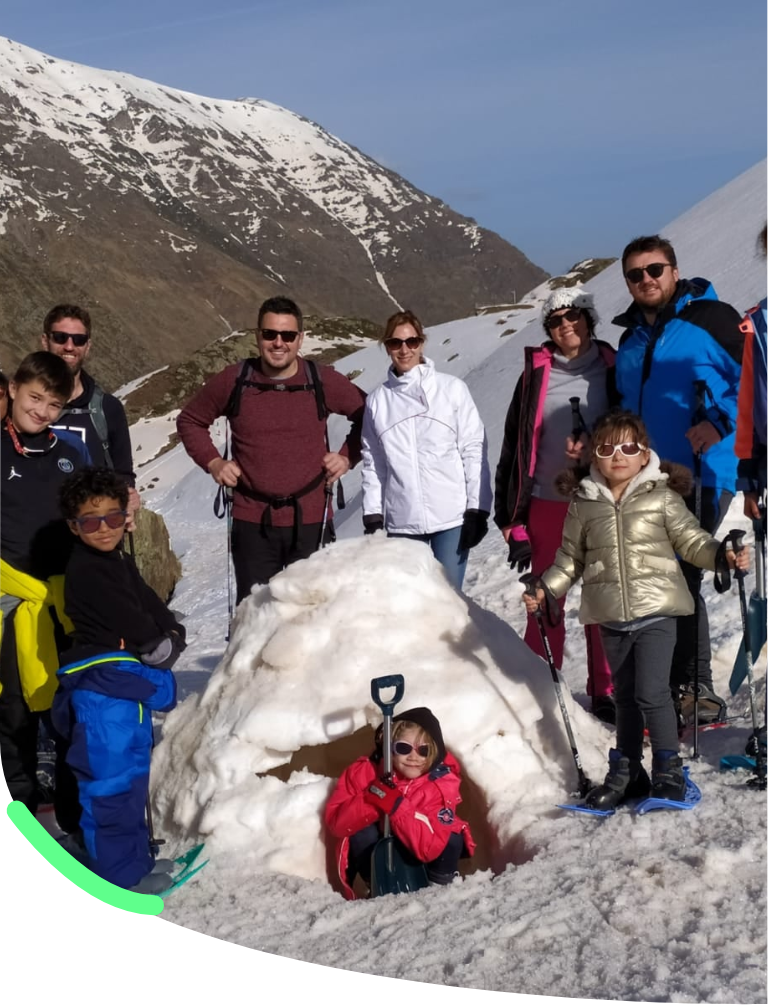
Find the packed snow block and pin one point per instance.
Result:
(248, 764)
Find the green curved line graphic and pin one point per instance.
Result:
(60, 859)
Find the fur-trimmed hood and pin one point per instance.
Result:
(581, 479)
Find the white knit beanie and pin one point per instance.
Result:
(570, 296)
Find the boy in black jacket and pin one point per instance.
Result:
(125, 641)
(34, 548)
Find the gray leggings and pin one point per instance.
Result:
(640, 662)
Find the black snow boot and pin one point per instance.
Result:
(626, 779)
(668, 780)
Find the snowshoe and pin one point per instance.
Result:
(691, 797)
(188, 867)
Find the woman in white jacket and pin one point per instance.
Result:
(425, 463)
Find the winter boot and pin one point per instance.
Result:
(625, 780)
(712, 708)
(668, 780)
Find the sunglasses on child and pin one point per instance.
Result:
(403, 748)
(628, 449)
(654, 270)
(556, 320)
(270, 334)
(392, 344)
(90, 524)
(79, 339)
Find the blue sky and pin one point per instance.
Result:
(568, 128)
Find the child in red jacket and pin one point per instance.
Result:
(421, 804)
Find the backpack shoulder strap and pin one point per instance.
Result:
(313, 375)
(232, 407)
(95, 410)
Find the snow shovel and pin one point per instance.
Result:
(755, 635)
(390, 872)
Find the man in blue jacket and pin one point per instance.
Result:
(678, 366)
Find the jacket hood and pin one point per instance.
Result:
(571, 482)
(685, 291)
(424, 718)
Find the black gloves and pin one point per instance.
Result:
(373, 522)
(474, 528)
(163, 651)
(520, 554)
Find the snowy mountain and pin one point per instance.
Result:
(668, 907)
(174, 215)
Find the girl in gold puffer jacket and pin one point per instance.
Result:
(626, 521)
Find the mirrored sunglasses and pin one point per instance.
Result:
(393, 344)
(403, 748)
(654, 270)
(270, 334)
(90, 524)
(79, 339)
(572, 315)
(628, 449)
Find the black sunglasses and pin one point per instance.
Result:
(61, 338)
(90, 524)
(403, 748)
(270, 334)
(654, 270)
(394, 343)
(556, 320)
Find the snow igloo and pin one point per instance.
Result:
(248, 764)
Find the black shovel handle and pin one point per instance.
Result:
(736, 537)
(397, 681)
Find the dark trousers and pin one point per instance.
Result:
(19, 730)
(640, 662)
(259, 551)
(440, 870)
(713, 510)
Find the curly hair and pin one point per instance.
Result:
(91, 483)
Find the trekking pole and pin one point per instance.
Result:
(759, 781)
(585, 784)
(699, 413)
(229, 502)
(326, 510)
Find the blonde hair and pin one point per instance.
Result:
(422, 736)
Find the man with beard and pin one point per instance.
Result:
(281, 463)
(96, 417)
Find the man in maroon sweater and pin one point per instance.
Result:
(280, 458)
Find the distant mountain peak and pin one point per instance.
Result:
(164, 205)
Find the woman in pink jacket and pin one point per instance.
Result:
(421, 802)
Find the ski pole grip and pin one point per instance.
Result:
(578, 423)
(396, 681)
(736, 537)
(529, 581)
